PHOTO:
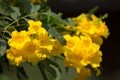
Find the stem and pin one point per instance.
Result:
(6, 27)
(19, 19)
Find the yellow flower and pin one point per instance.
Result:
(34, 26)
(46, 42)
(102, 29)
(58, 48)
(81, 51)
(94, 27)
(18, 39)
(39, 33)
(13, 57)
(30, 46)
(28, 53)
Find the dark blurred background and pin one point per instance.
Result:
(111, 46)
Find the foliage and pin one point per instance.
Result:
(37, 44)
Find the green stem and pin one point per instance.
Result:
(19, 19)
(6, 27)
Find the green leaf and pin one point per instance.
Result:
(104, 16)
(49, 73)
(3, 45)
(26, 5)
(70, 74)
(71, 22)
(56, 16)
(8, 18)
(49, 61)
(42, 70)
(4, 9)
(9, 72)
(53, 32)
(52, 71)
(3, 12)
(92, 11)
(32, 72)
(34, 10)
(21, 73)
(3, 23)
(14, 16)
(58, 74)
(16, 13)
(16, 10)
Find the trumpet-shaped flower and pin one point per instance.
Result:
(81, 51)
(30, 46)
(58, 48)
(18, 39)
(94, 27)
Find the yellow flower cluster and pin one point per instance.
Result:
(32, 45)
(81, 51)
(83, 47)
(92, 26)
